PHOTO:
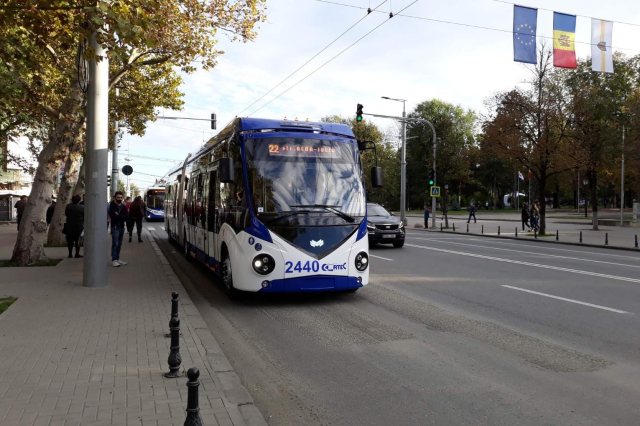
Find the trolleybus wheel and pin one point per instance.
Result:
(227, 278)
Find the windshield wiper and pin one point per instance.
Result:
(329, 208)
(285, 214)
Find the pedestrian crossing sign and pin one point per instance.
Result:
(435, 191)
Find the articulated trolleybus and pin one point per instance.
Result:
(275, 206)
(154, 200)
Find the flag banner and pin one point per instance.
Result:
(520, 176)
(601, 52)
(564, 40)
(525, 23)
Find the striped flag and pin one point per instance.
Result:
(601, 53)
(564, 37)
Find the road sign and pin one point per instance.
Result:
(435, 191)
(127, 170)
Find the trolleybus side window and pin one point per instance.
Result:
(197, 199)
(212, 202)
(204, 200)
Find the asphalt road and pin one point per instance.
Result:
(438, 337)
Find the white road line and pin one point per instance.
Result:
(568, 300)
(531, 252)
(537, 265)
(466, 236)
(151, 229)
(380, 257)
(163, 228)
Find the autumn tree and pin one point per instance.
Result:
(43, 40)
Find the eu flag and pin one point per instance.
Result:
(525, 23)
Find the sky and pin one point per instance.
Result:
(406, 58)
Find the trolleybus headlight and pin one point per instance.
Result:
(362, 261)
(263, 264)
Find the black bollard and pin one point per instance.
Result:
(483, 229)
(516, 232)
(606, 239)
(557, 235)
(468, 229)
(498, 230)
(636, 240)
(174, 309)
(454, 227)
(193, 406)
(580, 236)
(174, 356)
(440, 226)
(535, 233)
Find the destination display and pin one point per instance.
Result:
(307, 150)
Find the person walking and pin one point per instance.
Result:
(525, 216)
(136, 213)
(75, 224)
(427, 212)
(472, 212)
(20, 205)
(50, 211)
(118, 215)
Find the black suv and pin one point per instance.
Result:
(383, 227)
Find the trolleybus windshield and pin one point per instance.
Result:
(292, 174)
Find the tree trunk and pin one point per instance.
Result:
(79, 189)
(556, 197)
(55, 236)
(29, 244)
(593, 186)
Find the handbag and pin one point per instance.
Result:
(64, 228)
(81, 239)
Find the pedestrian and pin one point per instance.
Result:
(82, 202)
(427, 212)
(136, 213)
(444, 211)
(20, 205)
(50, 211)
(127, 202)
(525, 216)
(472, 212)
(118, 215)
(75, 225)
(534, 216)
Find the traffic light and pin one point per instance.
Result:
(213, 121)
(359, 113)
(432, 176)
(108, 180)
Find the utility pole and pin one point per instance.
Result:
(435, 175)
(403, 162)
(97, 152)
(622, 183)
(114, 157)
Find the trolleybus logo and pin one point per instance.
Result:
(318, 243)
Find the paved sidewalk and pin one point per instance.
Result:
(71, 355)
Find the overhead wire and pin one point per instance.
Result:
(313, 57)
(471, 25)
(334, 57)
(182, 128)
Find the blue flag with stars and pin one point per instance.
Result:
(525, 23)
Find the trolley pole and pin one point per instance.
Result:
(97, 155)
(114, 157)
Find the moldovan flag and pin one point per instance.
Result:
(601, 54)
(564, 37)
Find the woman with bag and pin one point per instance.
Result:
(136, 213)
(74, 225)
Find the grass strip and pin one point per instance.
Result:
(6, 302)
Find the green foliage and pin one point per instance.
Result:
(6, 302)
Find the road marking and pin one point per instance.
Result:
(380, 257)
(163, 228)
(151, 229)
(537, 265)
(531, 252)
(568, 300)
(465, 236)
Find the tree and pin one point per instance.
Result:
(141, 36)
(455, 129)
(531, 126)
(388, 160)
(135, 191)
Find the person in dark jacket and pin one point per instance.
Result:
(472, 212)
(119, 216)
(75, 224)
(136, 214)
(50, 211)
(20, 205)
(427, 212)
(525, 216)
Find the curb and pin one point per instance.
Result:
(237, 400)
(566, 243)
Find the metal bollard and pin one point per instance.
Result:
(498, 230)
(580, 236)
(516, 232)
(636, 240)
(174, 309)
(535, 233)
(557, 235)
(454, 227)
(440, 226)
(193, 406)
(468, 228)
(606, 239)
(483, 229)
(174, 355)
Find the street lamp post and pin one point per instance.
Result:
(586, 197)
(403, 163)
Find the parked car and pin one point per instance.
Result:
(383, 227)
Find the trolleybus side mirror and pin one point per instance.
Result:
(376, 177)
(225, 168)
